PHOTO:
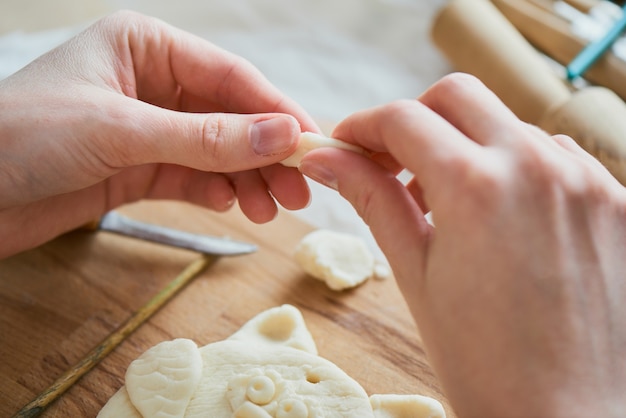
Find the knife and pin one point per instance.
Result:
(119, 224)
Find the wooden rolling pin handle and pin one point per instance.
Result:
(478, 39)
(596, 118)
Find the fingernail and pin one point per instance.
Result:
(319, 173)
(273, 136)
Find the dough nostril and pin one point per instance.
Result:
(292, 408)
(313, 378)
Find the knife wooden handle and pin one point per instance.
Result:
(479, 40)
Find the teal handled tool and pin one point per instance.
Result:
(478, 39)
(595, 49)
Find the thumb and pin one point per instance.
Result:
(220, 142)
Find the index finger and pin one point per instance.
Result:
(417, 137)
(441, 135)
(466, 103)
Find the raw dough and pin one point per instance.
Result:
(282, 326)
(175, 365)
(310, 141)
(268, 369)
(402, 406)
(341, 260)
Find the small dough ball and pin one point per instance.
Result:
(341, 260)
(310, 141)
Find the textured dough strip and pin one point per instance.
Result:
(310, 141)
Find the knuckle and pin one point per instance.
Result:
(399, 112)
(475, 185)
(397, 106)
(583, 184)
(450, 84)
(121, 20)
(125, 14)
(214, 137)
(482, 180)
(135, 26)
(364, 202)
(555, 176)
(563, 138)
(403, 107)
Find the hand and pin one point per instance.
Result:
(133, 108)
(519, 291)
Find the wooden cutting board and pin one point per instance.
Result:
(60, 300)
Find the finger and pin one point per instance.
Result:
(287, 185)
(254, 197)
(141, 134)
(415, 190)
(211, 190)
(473, 109)
(567, 143)
(392, 214)
(418, 138)
(596, 167)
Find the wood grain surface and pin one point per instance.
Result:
(60, 300)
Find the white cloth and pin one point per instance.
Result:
(334, 57)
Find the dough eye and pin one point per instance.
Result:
(292, 408)
(261, 390)
(313, 377)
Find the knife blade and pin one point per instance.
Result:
(119, 224)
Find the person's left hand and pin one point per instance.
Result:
(133, 108)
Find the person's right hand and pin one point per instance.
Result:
(519, 291)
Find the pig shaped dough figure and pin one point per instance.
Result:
(267, 369)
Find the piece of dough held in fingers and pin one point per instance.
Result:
(310, 141)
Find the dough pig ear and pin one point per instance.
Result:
(281, 326)
(406, 406)
(161, 382)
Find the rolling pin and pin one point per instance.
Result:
(553, 36)
(477, 39)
